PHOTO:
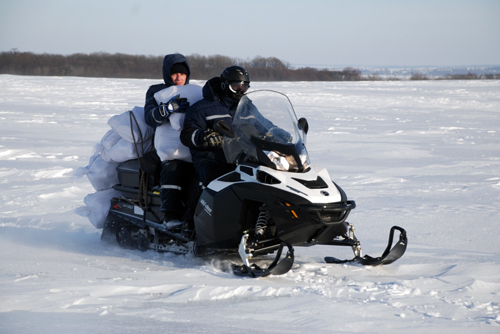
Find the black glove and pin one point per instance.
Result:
(176, 104)
(212, 138)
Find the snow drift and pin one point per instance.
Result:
(423, 155)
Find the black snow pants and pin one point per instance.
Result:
(179, 183)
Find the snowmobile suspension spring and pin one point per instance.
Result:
(262, 221)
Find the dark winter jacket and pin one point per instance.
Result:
(151, 112)
(203, 115)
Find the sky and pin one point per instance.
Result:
(313, 33)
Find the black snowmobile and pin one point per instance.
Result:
(274, 199)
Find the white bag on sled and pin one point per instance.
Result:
(167, 138)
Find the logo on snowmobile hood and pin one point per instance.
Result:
(206, 207)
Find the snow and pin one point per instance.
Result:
(423, 155)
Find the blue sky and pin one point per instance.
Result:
(313, 32)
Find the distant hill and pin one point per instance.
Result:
(205, 67)
(408, 71)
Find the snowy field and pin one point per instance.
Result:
(422, 155)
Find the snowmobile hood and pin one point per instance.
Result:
(168, 62)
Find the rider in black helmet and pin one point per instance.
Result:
(235, 82)
(220, 99)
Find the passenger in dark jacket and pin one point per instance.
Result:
(176, 176)
(220, 99)
(178, 75)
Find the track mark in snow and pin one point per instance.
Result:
(52, 173)
(483, 286)
(386, 180)
(18, 154)
(5, 172)
(66, 193)
(395, 133)
(451, 128)
(25, 277)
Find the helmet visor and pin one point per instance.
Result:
(239, 87)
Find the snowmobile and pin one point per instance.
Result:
(273, 201)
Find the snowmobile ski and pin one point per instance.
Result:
(277, 267)
(389, 255)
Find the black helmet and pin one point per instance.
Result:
(235, 81)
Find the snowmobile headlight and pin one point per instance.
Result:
(304, 159)
(282, 162)
(286, 163)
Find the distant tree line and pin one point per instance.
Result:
(267, 69)
(149, 67)
(79, 64)
(468, 76)
(120, 65)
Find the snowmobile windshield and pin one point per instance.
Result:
(266, 132)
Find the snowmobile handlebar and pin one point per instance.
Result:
(224, 128)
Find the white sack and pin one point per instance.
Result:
(122, 125)
(193, 93)
(167, 138)
(81, 171)
(110, 139)
(97, 206)
(168, 144)
(124, 150)
(102, 174)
